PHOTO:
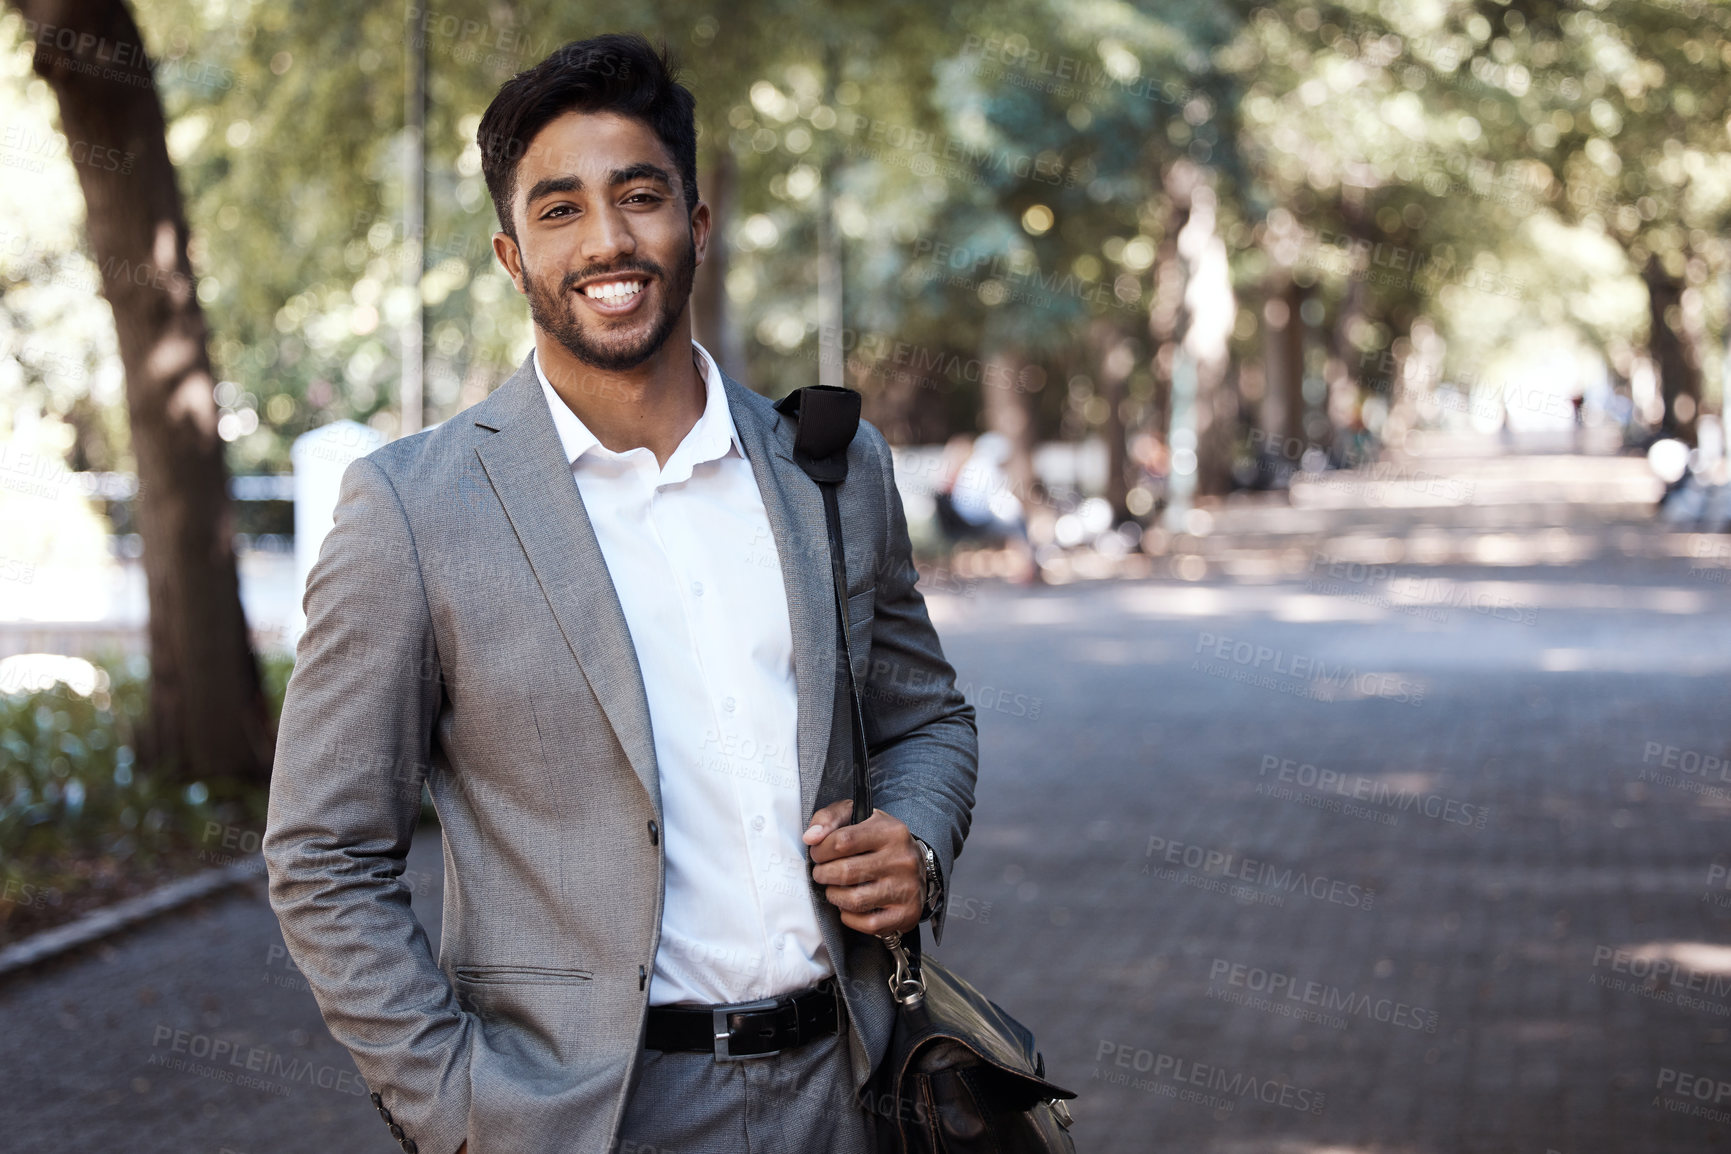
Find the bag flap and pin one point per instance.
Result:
(953, 1009)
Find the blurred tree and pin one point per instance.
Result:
(1628, 107)
(1357, 140)
(208, 719)
(993, 182)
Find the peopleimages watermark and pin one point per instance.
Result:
(1451, 490)
(1683, 1093)
(125, 61)
(887, 357)
(35, 149)
(1018, 277)
(1718, 875)
(1118, 1063)
(1716, 556)
(235, 845)
(1014, 58)
(1383, 263)
(468, 41)
(1297, 674)
(1264, 882)
(1401, 591)
(29, 895)
(929, 153)
(1660, 979)
(1358, 468)
(1470, 392)
(1291, 997)
(226, 1061)
(1687, 770)
(1338, 792)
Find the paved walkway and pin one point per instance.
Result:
(1366, 829)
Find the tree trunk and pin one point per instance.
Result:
(208, 720)
(709, 313)
(1210, 315)
(1673, 348)
(1342, 369)
(1165, 313)
(1113, 360)
(1283, 356)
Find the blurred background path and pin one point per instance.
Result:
(1379, 823)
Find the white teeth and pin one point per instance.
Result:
(614, 290)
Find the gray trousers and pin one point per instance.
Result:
(799, 1101)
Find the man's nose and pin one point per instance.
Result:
(608, 237)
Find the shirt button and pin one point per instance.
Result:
(727, 704)
(757, 822)
(697, 588)
(781, 943)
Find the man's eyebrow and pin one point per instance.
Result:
(552, 185)
(644, 171)
(549, 185)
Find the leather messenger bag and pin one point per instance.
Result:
(961, 1076)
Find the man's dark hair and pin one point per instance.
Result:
(612, 73)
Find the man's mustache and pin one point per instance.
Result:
(571, 280)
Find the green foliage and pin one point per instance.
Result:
(67, 780)
(1544, 150)
(74, 808)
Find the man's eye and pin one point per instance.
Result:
(642, 198)
(555, 210)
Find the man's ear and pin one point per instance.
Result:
(511, 257)
(700, 225)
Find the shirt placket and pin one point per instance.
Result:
(769, 812)
(717, 668)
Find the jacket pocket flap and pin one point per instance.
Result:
(519, 975)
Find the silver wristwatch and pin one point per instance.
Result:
(932, 882)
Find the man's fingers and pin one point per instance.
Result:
(844, 840)
(859, 899)
(881, 893)
(850, 869)
(894, 919)
(826, 821)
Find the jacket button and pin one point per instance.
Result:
(378, 1102)
(408, 1145)
(654, 834)
(396, 1132)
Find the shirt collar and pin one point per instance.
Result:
(710, 438)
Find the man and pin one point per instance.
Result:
(594, 615)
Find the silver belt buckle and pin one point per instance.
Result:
(724, 1033)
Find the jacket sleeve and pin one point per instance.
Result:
(352, 753)
(920, 730)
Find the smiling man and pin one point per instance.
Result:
(593, 615)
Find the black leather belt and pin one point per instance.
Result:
(747, 1029)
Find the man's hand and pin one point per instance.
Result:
(872, 872)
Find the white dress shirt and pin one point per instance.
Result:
(694, 563)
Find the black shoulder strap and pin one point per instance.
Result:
(828, 418)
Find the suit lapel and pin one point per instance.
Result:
(526, 465)
(795, 510)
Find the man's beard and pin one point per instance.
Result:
(554, 311)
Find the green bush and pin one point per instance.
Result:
(74, 804)
(67, 762)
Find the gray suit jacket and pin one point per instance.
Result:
(463, 632)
